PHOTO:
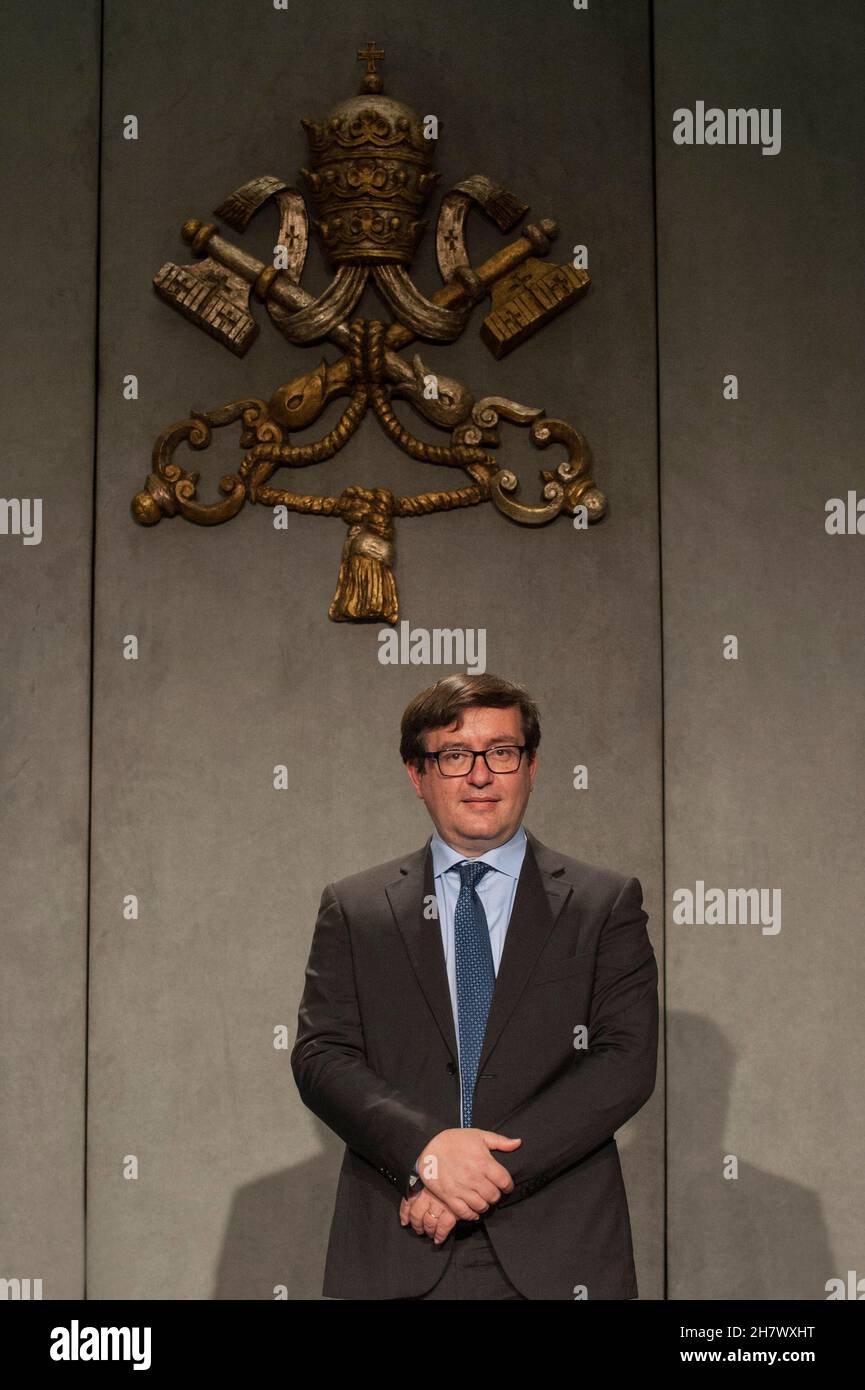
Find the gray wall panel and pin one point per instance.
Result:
(49, 176)
(759, 276)
(239, 667)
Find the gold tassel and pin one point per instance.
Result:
(366, 587)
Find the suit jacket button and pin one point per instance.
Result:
(451, 1068)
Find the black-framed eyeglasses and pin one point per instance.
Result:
(460, 762)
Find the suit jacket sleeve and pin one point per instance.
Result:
(602, 1087)
(329, 1063)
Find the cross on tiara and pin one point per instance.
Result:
(369, 55)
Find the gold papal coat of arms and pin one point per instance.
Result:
(370, 178)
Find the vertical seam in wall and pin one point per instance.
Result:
(96, 363)
(665, 1258)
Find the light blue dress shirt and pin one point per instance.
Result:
(496, 892)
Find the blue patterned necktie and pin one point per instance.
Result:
(475, 979)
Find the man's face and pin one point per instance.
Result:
(482, 809)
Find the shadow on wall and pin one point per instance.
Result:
(277, 1228)
(761, 1235)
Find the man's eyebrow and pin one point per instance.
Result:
(496, 738)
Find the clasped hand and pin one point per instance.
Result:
(460, 1180)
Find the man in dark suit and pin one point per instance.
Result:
(479, 1017)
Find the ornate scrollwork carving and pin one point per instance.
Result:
(370, 179)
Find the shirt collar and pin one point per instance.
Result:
(506, 858)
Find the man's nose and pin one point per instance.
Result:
(480, 773)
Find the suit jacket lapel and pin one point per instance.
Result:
(538, 901)
(541, 894)
(409, 896)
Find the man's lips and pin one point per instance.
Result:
(481, 800)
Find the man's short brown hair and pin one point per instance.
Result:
(441, 704)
